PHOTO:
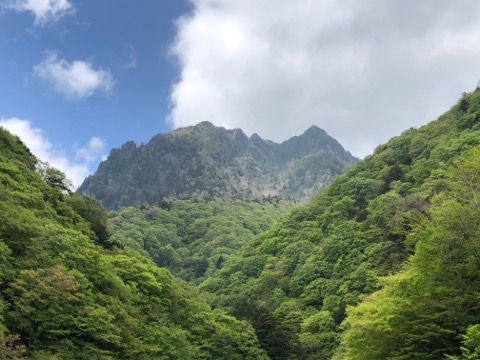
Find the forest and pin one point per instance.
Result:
(384, 263)
(193, 238)
(70, 292)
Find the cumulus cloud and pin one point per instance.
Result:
(76, 79)
(45, 11)
(362, 70)
(43, 149)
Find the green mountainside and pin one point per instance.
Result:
(205, 162)
(68, 291)
(384, 263)
(403, 225)
(194, 238)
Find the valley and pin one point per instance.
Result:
(208, 248)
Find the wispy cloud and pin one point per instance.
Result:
(132, 58)
(44, 11)
(76, 79)
(42, 148)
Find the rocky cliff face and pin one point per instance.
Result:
(205, 161)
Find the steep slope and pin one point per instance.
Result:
(429, 310)
(296, 280)
(206, 161)
(68, 292)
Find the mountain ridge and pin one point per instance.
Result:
(209, 161)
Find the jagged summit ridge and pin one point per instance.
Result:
(208, 161)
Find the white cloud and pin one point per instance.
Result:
(362, 70)
(76, 79)
(89, 154)
(45, 11)
(43, 149)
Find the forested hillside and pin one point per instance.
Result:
(193, 238)
(401, 225)
(204, 162)
(68, 291)
(382, 264)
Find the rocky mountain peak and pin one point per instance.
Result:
(213, 161)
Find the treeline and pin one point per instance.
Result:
(69, 291)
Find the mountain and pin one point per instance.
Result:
(205, 161)
(382, 264)
(69, 292)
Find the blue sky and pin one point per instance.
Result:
(124, 47)
(80, 77)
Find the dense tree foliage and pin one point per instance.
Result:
(421, 312)
(67, 291)
(327, 255)
(193, 238)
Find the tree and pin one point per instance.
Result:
(54, 177)
(470, 344)
(94, 213)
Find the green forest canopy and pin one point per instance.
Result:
(68, 292)
(193, 238)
